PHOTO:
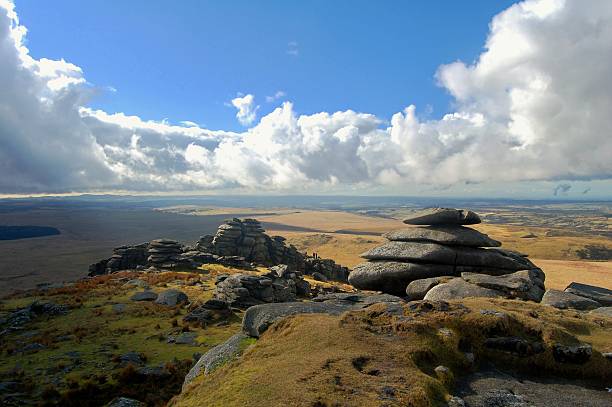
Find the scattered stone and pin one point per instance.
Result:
(529, 236)
(185, 338)
(447, 235)
(515, 345)
(456, 402)
(125, 402)
(131, 357)
(118, 308)
(144, 296)
(137, 282)
(171, 298)
(599, 294)
(443, 216)
(318, 276)
(216, 357)
(211, 311)
(458, 289)
(564, 300)
(16, 319)
(578, 354)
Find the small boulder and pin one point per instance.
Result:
(417, 289)
(144, 296)
(599, 294)
(578, 354)
(458, 289)
(125, 402)
(171, 298)
(564, 300)
(602, 312)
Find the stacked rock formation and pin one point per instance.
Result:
(123, 258)
(164, 253)
(246, 238)
(441, 259)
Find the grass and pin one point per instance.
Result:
(369, 357)
(99, 335)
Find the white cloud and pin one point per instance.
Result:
(247, 111)
(277, 95)
(533, 107)
(293, 49)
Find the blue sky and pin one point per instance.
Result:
(185, 60)
(477, 98)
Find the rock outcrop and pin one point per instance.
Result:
(447, 260)
(164, 253)
(243, 290)
(123, 258)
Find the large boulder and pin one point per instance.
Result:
(144, 296)
(216, 357)
(392, 277)
(258, 318)
(458, 288)
(171, 298)
(448, 235)
(443, 216)
(563, 300)
(525, 284)
(599, 294)
(440, 254)
(243, 291)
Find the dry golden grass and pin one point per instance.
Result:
(559, 273)
(362, 357)
(331, 221)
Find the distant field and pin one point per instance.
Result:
(88, 235)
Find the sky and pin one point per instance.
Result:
(480, 98)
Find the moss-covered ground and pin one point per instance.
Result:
(82, 348)
(373, 357)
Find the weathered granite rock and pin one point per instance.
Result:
(515, 345)
(357, 300)
(417, 289)
(392, 277)
(243, 291)
(258, 318)
(171, 298)
(599, 294)
(443, 216)
(525, 284)
(144, 296)
(136, 283)
(36, 309)
(216, 357)
(563, 300)
(211, 311)
(164, 253)
(578, 354)
(447, 235)
(602, 312)
(440, 254)
(123, 258)
(458, 288)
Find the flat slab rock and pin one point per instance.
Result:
(564, 300)
(443, 216)
(393, 277)
(215, 357)
(171, 298)
(599, 294)
(524, 284)
(258, 318)
(440, 254)
(458, 288)
(448, 235)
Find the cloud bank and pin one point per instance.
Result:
(535, 105)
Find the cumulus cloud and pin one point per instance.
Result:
(292, 48)
(247, 110)
(533, 106)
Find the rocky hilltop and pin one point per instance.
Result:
(439, 315)
(237, 243)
